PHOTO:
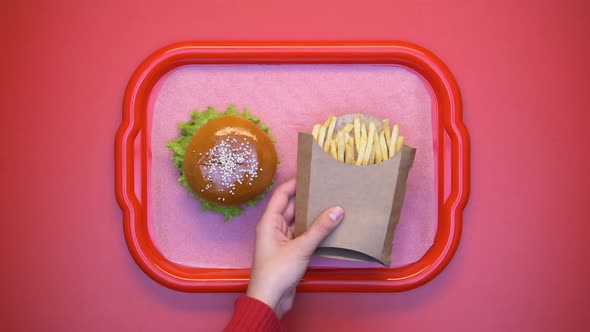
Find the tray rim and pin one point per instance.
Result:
(446, 94)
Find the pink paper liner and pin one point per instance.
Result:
(289, 98)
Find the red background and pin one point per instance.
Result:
(522, 265)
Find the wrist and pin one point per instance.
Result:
(264, 295)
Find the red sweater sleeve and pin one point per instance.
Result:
(253, 315)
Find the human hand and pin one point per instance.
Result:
(280, 260)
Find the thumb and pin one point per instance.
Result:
(320, 229)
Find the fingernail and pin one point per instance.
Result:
(336, 213)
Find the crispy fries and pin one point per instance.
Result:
(316, 131)
(363, 146)
(383, 145)
(333, 150)
(349, 155)
(340, 146)
(370, 138)
(372, 159)
(378, 154)
(330, 133)
(360, 142)
(387, 132)
(399, 143)
(392, 144)
(347, 129)
(322, 136)
(357, 133)
(361, 155)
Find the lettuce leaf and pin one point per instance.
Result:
(179, 146)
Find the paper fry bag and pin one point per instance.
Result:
(372, 197)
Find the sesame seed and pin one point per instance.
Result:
(229, 162)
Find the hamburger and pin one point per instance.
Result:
(226, 160)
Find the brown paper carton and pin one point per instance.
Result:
(372, 198)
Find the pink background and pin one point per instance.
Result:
(523, 69)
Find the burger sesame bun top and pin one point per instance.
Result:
(229, 161)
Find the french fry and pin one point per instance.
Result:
(370, 139)
(394, 135)
(340, 146)
(373, 154)
(362, 149)
(333, 149)
(377, 147)
(399, 144)
(322, 136)
(327, 123)
(349, 148)
(316, 131)
(326, 144)
(387, 131)
(383, 145)
(357, 132)
(347, 129)
(330, 133)
(349, 155)
(363, 130)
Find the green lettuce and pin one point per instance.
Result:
(179, 146)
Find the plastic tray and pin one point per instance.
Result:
(451, 149)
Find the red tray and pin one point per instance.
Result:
(452, 157)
